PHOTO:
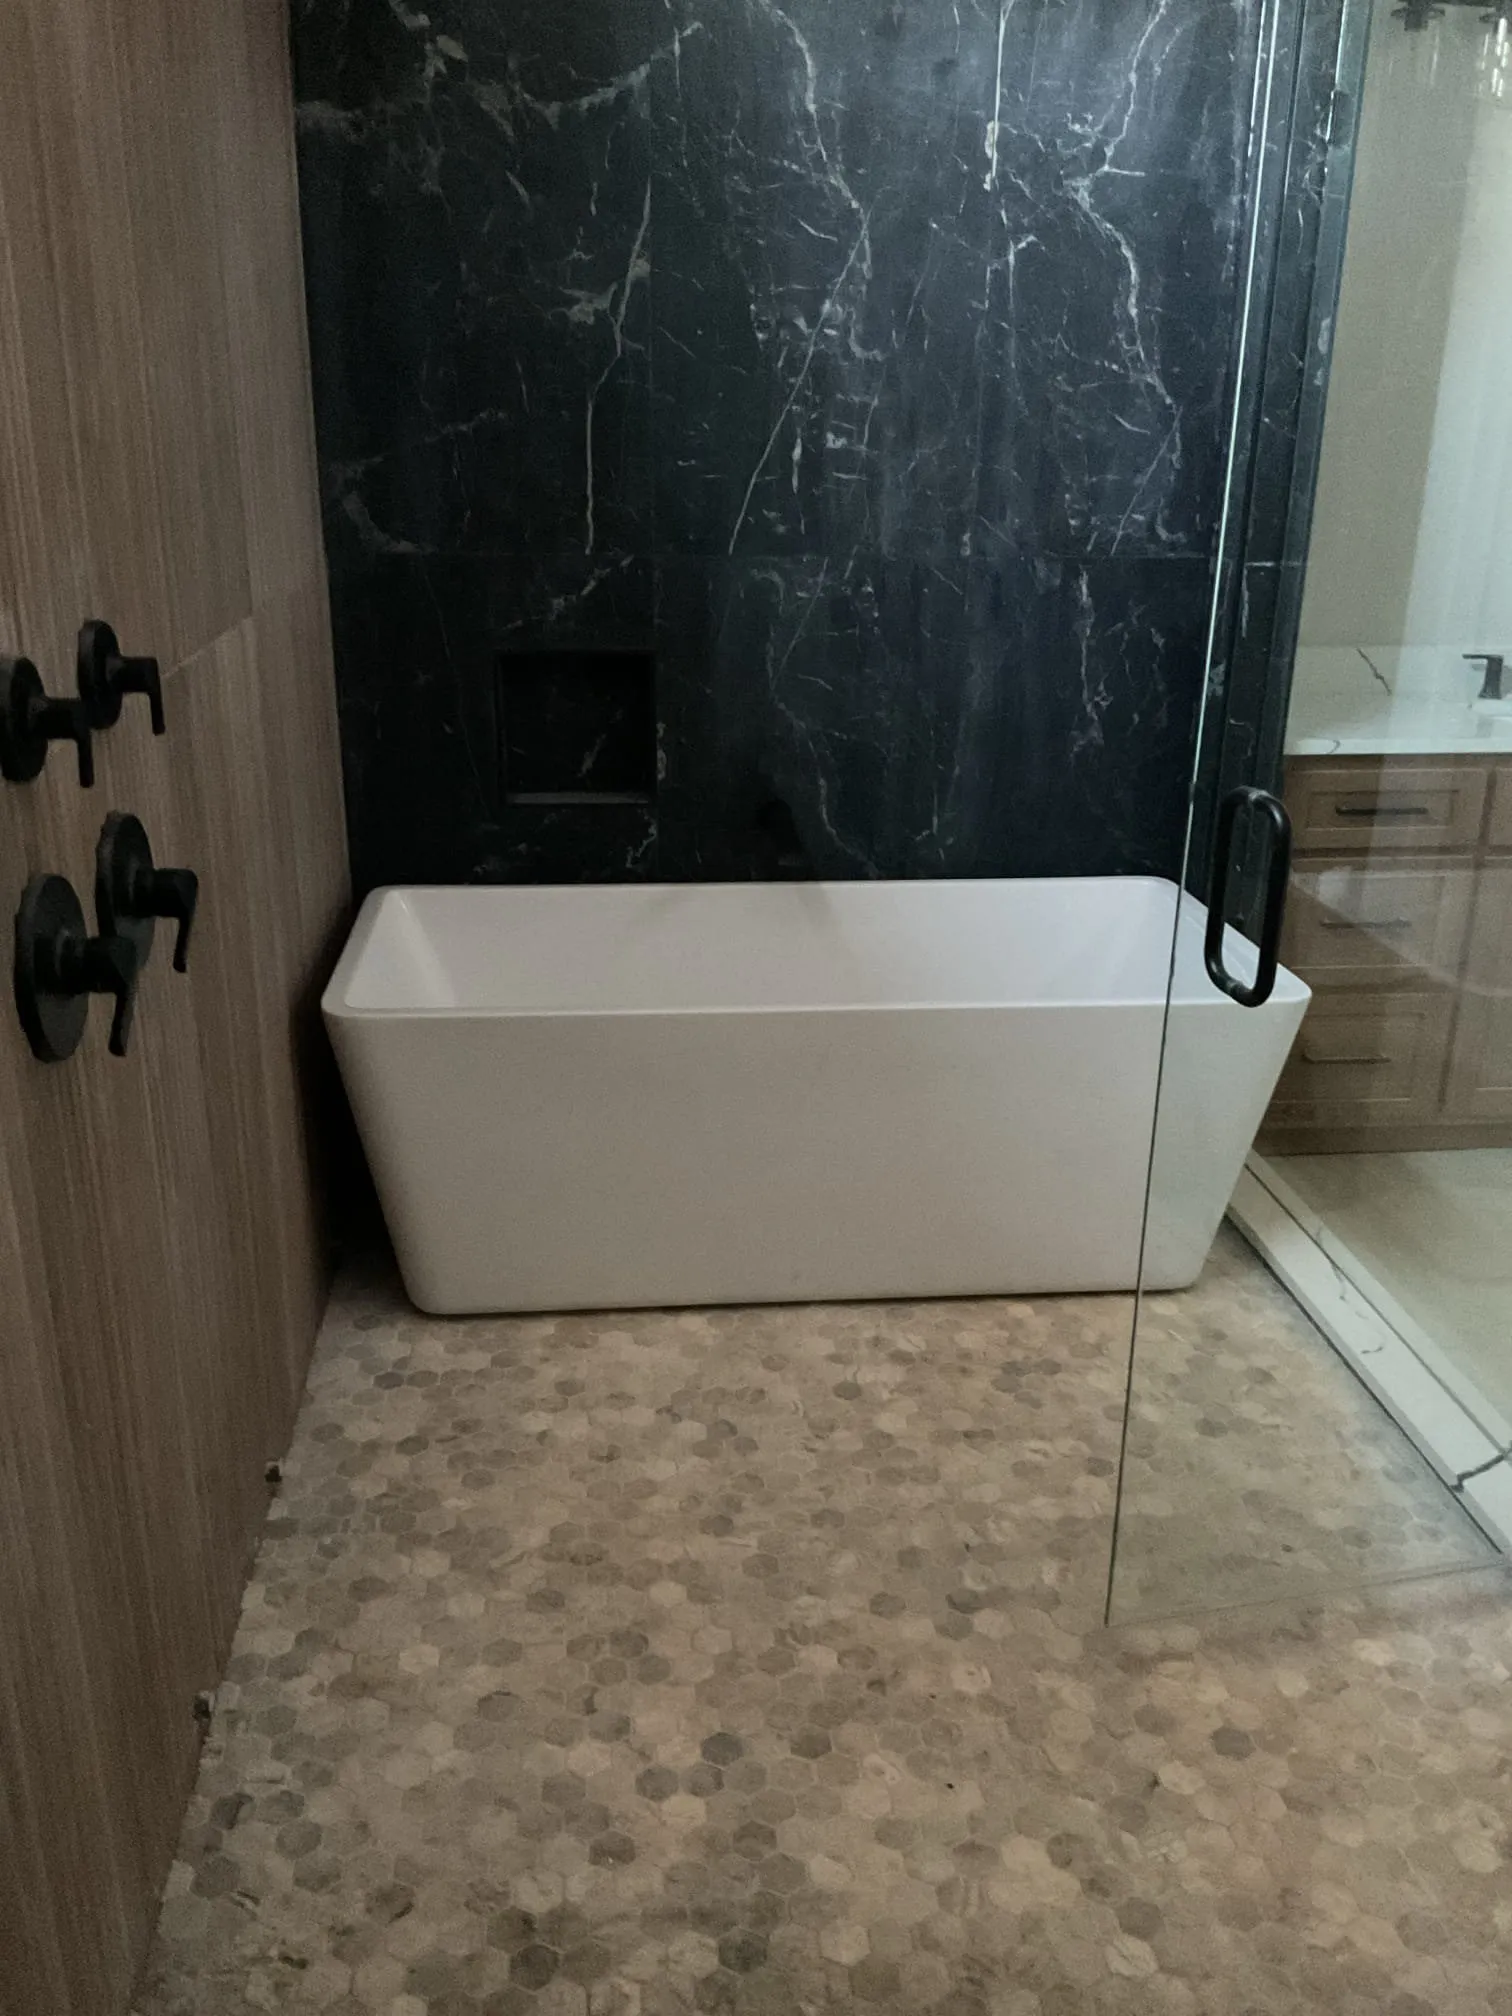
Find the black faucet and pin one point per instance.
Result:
(1495, 664)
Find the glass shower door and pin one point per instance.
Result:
(1341, 971)
(1257, 1465)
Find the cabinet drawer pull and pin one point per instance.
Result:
(1361, 1057)
(1365, 923)
(1383, 812)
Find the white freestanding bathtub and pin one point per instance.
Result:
(650, 1095)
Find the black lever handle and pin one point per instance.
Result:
(175, 893)
(109, 966)
(58, 966)
(106, 676)
(1277, 879)
(30, 719)
(130, 892)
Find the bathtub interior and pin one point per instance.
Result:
(780, 946)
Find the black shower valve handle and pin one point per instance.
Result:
(141, 675)
(131, 891)
(108, 965)
(107, 675)
(103, 965)
(174, 893)
(31, 719)
(58, 966)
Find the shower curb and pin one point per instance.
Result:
(1391, 1356)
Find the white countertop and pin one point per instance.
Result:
(1391, 700)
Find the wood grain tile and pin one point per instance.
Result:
(264, 289)
(159, 1214)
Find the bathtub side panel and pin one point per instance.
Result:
(638, 1160)
(1221, 1066)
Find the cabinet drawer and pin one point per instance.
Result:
(1480, 1073)
(1365, 1059)
(1361, 808)
(1499, 823)
(1359, 923)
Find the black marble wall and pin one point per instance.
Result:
(866, 360)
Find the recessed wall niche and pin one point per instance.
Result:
(577, 727)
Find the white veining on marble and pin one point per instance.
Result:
(1377, 699)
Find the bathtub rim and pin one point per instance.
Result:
(1179, 989)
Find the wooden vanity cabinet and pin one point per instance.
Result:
(1478, 1090)
(1400, 920)
(1370, 804)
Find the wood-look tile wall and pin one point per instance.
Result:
(160, 1243)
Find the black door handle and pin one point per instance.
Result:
(30, 719)
(106, 676)
(1277, 879)
(58, 966)
(130, 892)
